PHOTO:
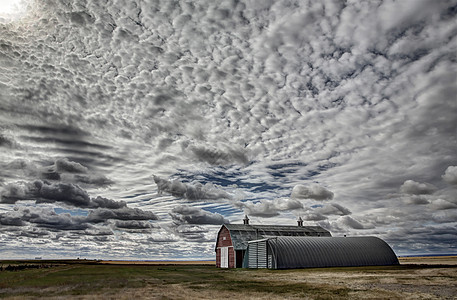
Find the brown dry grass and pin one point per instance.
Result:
(429, 260)
(161, 263)
(415, 278)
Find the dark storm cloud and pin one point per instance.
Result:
(129, 224)
(46, 192)
(11, 220)
(61, 170)
(5, 142)
(431, 239)
(64, 165)
(313, 191)
(59, 130)
(124, 213)
(126, 218)
(46, 218)
(193, 192)
(194, 215)
(70, 171)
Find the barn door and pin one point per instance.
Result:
(224, 257)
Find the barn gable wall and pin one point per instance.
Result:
(224, 240)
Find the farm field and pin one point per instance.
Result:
(434, 278)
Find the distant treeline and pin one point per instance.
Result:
(25, 266)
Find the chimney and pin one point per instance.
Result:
(300, 222)
(246, 220)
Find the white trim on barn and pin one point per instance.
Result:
(224, 257)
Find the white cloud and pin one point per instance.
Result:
(269, 208)
(193, 215)
(312, 191)
(350, 222)
(450, 176)
(417, 188)
(441, 204)
(192, 192)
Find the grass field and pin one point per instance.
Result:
(111, 280)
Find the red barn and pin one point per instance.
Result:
(232, 239)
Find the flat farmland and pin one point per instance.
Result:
(415, 278)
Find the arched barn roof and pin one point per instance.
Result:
(307, 252)
(241, 234)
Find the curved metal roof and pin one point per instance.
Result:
(308, 252)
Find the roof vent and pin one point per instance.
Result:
(246, 220)
(300, 222)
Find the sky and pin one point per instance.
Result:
(134, 129)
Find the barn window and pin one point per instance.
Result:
(223, 238)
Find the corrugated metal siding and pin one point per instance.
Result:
(262, 254)
(252, 258)
(258, 254)
(304, 252)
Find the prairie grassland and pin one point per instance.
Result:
(93, 280)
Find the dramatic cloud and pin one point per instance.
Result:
(269, 208)
(133, 224)
(312, 191)
(45, 192)
(64, 165)
(332, 209)
(190, 191)
(441, 204)
(124, 213)
(347, 221)
(416, 188)
(43, 218)
(341, 112)
(450, 176)
(193, 215)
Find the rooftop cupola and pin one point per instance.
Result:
(300, 222)
(246, 220)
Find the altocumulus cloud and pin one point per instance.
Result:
(343, 113)
(194, 215)
(45, 192)
(450, 176)
(313, 191)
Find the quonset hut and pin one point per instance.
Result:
(284, 247)
(232, 239)
(311, 252)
